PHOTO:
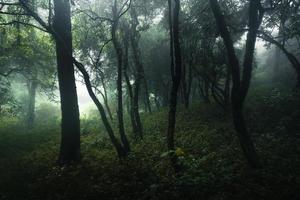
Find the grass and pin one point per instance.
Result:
(214, 167)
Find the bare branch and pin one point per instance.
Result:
(35, 16)
(13, 13)
(122, 13)
(101, 50)
(49, 13)
(94, 16)
(10, 72)
(9, 4)
(25, 24)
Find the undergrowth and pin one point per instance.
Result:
(214, 167)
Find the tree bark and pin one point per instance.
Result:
(70, 125)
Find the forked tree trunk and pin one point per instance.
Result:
(119, 54)
(240, 87)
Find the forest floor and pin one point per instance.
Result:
(214, 167)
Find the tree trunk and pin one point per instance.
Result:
(183, 90)
(227, 88)
(157, 104)
(108, 109)
(31, 105)
(105, 97)
(136, 109)
(146, 91)
(244, 136)
(176, 77)
(140, 75)
(135, 98)
(134, 125)
(119, 54)
(131, 107)
(186, 84)
(203, 92)
(105, 100)
(70, 125)
(120, 151)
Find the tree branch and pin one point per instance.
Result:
(25, 24)
(10, 72)
(13, 13)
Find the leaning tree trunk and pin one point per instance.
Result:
(70, 125)
(105, 96)
(120, 150)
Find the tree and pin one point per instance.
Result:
(290, 56)
(122, 147)
(28, 56)
(133, 90)
(176, 62)
(240, 86)
(284, 16)
(114, 27)
(122, 152)
(61, 32)
(70, 142)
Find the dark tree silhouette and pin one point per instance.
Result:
(70, 125)
(176, 63)
(240, 87)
